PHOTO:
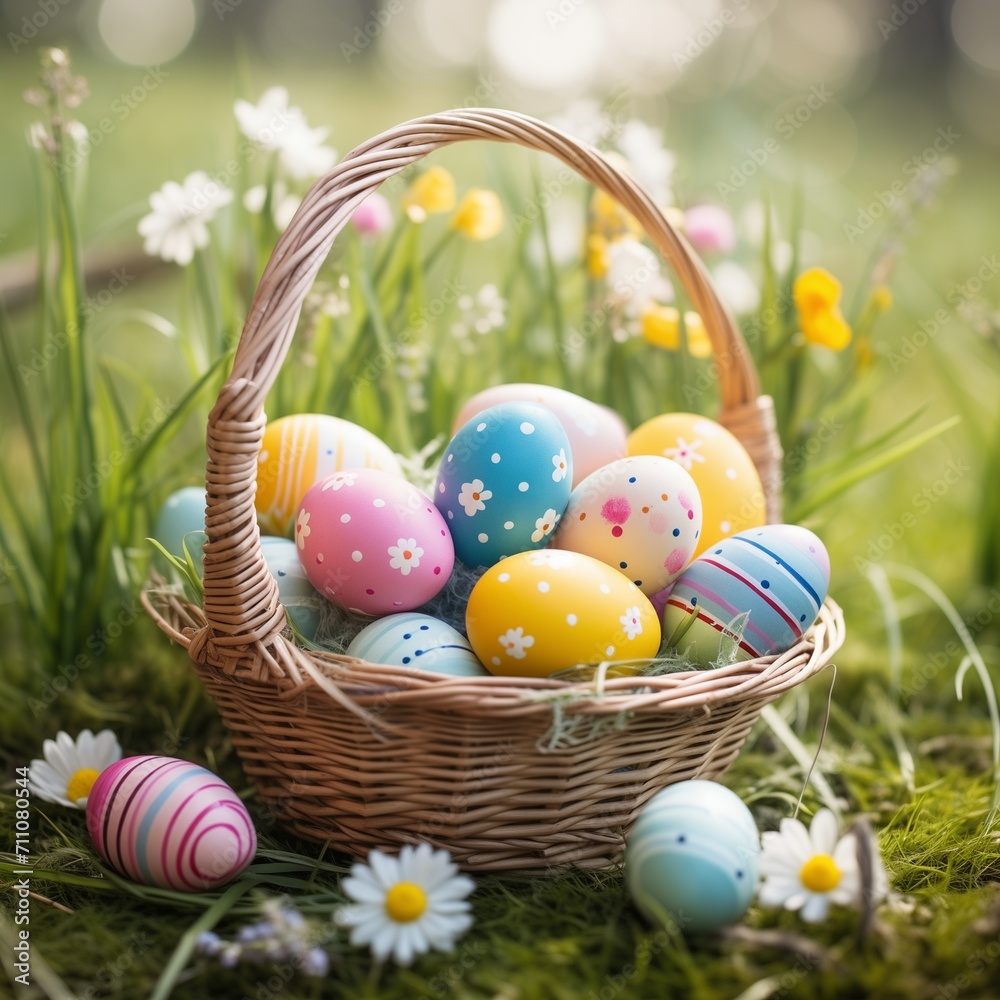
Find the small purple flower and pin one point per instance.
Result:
(315, 962)
(209, 943)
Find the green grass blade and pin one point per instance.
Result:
(851, 458)
(852, 476)
(186, 946)
(24, 410)
(176, 415)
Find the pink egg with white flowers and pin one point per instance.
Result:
(170, 823)
(369, 541)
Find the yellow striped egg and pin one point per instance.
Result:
(300, 450)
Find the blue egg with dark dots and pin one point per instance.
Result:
(418, 642)
(504, 482)
(691, 858)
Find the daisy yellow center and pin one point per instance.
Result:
(405, 901)
(80, 784)
(820, 873)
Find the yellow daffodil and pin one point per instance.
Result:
(817, 298)
(661, 327)
(698, 343)
(479, 215)
(882, 298)
(608, 218)
(598, 260)
(432, 192)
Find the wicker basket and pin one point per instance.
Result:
(365, 755)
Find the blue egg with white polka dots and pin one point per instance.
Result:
(419, 642)
(692, 856)
(504, 482)
(301, 599)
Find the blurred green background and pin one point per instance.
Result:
(883, 82)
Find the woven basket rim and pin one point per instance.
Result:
(241, 626)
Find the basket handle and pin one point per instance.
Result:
(240, 598)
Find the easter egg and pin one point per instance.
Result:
(182, 519)
(169, 823)
(417, 641)
(301, 600)
(692, 856)
(300, 450)
(369, 541)
(536, 613)
(597, 435)
(778, 574)
(504, 482)
(640, 515)
(732, 497)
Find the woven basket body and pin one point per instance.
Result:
(506, 773)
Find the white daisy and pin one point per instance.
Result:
(275, 126)
(69, 769)
(474, 496)
(302, 529)
(634, 278)
(632, 622)
(403, 907)
(807, 870)
(544, 525)
(651, 163)
(516, 642)
(176, 227)
(405, 555)
(559, 461)
(283, 204)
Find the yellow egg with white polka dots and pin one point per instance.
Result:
(732, 497)
(535, 613)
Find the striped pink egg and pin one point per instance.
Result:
(170, 823)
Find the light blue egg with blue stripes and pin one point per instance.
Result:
(691, 858)
(775, 576)
(419, 642)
